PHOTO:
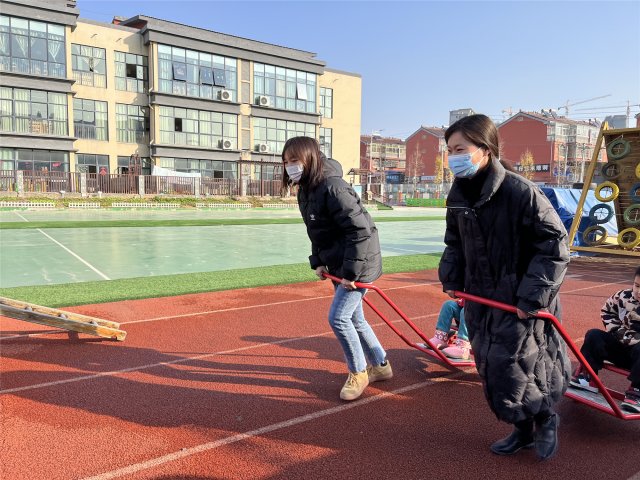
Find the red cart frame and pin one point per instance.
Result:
(605, 403)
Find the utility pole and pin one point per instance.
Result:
(371, 167)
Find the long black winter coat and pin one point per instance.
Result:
(343, 236)
(510, 246)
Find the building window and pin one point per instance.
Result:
(132, 72)
(326, 102)
(286, 89)
(326, 141)
(132, 123)
(180, 126)
(126, 165)
(31, 47)
(33, 111)
(90, 163)
(90, 119)
(196, 74)
(206, 168)
(274, 133)
(89, 65)
(34, 160)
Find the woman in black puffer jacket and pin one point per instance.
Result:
(504, 241)
(344, 243)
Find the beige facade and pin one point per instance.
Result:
(214, 104)
(112, 38)
(345, 122)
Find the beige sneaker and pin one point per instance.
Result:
(354, 386)
(379, 373)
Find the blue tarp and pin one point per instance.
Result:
(565, 202)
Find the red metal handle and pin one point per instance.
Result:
(565, 336)
(432, 350)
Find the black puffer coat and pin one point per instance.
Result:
(510, 246)
(343, 236)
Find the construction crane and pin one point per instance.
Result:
(508, 111)
(567, 104)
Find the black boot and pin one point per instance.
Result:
(521, 437)
(546, 436)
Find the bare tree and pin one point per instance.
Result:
(527, 164)
(439, 170)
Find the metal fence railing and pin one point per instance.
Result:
(30, 181)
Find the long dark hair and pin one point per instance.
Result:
(307, 151)
(479, 130)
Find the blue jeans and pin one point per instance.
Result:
(356, 337)
(450, 310)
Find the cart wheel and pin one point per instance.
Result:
(611, 170)
(594, 235)
(634, 192)
(600, 213)
(610, 191)
(629, 238)
(618, 149)
(632, 214)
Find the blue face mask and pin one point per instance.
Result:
(295, 172)
(462, 166)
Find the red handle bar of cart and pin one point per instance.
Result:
(615, 409)
(432, 350)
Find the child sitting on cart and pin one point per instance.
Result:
(619, 343)
(461, 348)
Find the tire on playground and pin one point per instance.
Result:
(615, 191)
(626, 148)
(631, 243)
(595, 219)
(593, 229)
(638, 171)
(634, 192)
(629, 216)
(610, 166)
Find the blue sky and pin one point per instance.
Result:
(420, 59)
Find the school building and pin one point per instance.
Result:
(152, 97)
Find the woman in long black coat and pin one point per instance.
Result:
(504, 241)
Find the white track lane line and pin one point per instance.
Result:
(263, 305)
(75, 255)
(198, 357)
(204, 447)
(181, 360)
(209, 312)
(21, 216)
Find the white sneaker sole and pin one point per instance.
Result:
(582, 386)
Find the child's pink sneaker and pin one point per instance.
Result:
(461, 350)
(439, 340)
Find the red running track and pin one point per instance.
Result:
(244, 384)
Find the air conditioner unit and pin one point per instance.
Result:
(226, 144)
(264, 101)
(224, 95)
(263, 148)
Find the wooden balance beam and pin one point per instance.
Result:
(73, 322)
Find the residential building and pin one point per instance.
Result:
(142, 94)
(617, 121)
(561, 148)
(426, 154)
(383, 158)
(455, 115)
